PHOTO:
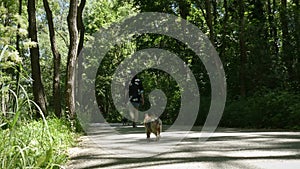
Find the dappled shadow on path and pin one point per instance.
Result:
(225, 149)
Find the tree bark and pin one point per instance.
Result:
(297, 25)
(284, 25)
(38, 88)
(297, 28)
(242, 45)
(56, 61)
(215, 11)
(72, 57)
(81, 30)
(273, 28)
(80, 25)
(286, 55)
(224, 33)
(209, 20)
(19, 51)
(184, 9)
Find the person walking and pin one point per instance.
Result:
(136, 97)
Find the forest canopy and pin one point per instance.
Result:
(41, 42)
(257, 42)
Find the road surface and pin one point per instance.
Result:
(225, 149)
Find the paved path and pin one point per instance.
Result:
(225, 149)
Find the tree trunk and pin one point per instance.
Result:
(284, 25)
(209, 20)
(72, 57)
(38, 88)
(184, 9)
(297, 28)
(242, 44)
(56, 61)
(215, 11)
(80, 25)
(18, 66)
(286, 55)
(3, 104)
(224, 33)
(273, 28)
(81, 30)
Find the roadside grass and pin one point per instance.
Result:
(25, 141)
(36, 144)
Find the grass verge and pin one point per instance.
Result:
(36, 144)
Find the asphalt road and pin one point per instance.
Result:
(225, 149)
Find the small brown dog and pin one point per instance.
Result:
(152, 125)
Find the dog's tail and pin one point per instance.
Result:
(148, 126)
(160, 125)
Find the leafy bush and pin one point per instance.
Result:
(279, 109)
(35, 144)
(26, 143)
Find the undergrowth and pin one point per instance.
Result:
(36, 144)
(25, 141)
(274, 110)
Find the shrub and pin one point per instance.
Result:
(35, 144)
(278, 109)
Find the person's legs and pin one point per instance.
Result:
(136, 117)
(134, 113)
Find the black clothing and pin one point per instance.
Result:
(136, 90)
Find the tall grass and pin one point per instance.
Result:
(33, 145)
(29, 143)
(24, 141)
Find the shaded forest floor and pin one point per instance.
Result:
(226, 148)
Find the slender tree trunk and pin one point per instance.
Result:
(38, 88)
(56, 61)
(72, 57)
(286, 53)
(284, 25)
(3, 107)
(80, 25)
(215, 11)
(19, 51)
(209, 20)
(297, 25)
(297, 28)
(224, 32)
(184, 9)
(242, 44)
(273, 28)
(81, 30)
(19, 26)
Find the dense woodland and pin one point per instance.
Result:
(258, 42)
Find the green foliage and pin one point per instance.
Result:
(101, 14)
(59, 12)
(36, 144)
(156, 79)
(272, 109)
(11, 103)
(24, 142)
(9, 19)
(267, 66)
(104, 77)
